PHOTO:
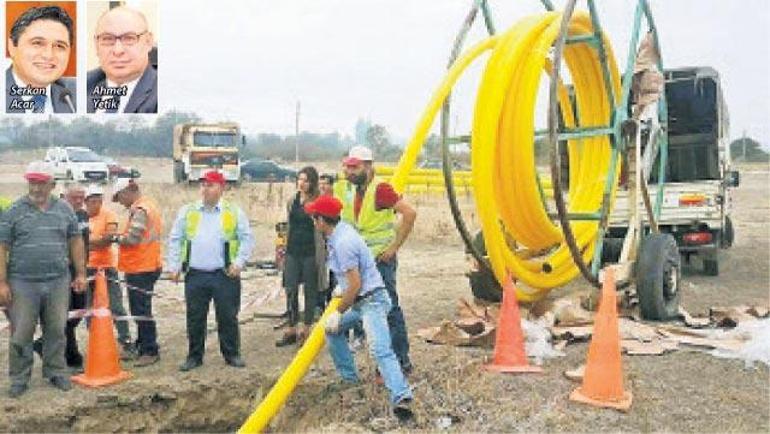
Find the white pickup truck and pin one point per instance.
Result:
(77, 164)
(696, 202)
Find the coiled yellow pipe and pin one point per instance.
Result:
(502, 151)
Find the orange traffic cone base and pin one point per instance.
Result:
(623, 404)
(83, 380)
(507, 369)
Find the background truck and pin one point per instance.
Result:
(202, 147)
(77, 164)
(698, 175)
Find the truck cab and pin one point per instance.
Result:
(76, 163)
(202, 147)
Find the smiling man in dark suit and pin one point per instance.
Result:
(125, 82)
(40, 44)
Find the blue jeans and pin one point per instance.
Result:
(396, 320)
(373, 311)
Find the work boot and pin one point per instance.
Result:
(61, 383)
(128, 352)
(235, 362)
(288, 338)
(146, 360)
(403, 410)
(190, 364)
(17, 390)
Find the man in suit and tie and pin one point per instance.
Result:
(125, 82)
(39, 44)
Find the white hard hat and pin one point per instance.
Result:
(94, 190)
(357, 155)
(119, 185)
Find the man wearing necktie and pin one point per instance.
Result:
(40, 44)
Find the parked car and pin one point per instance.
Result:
(118, 170)
(77, 164)
(266, 171)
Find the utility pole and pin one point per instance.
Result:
(296, 134)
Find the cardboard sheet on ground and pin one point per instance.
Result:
(550, 325)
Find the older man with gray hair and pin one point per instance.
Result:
(38, 235)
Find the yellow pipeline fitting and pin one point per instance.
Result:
(502, 151)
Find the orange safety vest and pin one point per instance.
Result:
(145, 256)
(97, 226)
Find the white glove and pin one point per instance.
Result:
(333, 322)
(337, 292)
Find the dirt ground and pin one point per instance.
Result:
(685, 391)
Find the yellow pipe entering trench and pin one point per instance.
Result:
(503, 168)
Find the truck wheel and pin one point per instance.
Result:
(711, 265)
(728, 234)
(658, 277)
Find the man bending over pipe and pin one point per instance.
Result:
(364, 298)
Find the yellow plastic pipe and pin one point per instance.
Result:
(285, 385)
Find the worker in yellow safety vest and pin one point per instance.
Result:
(371, 206)
(210, 242)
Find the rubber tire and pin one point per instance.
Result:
(711, 266)
(728, 233)
(658, 256)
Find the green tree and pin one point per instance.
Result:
(748, 149)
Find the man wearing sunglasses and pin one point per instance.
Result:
(125, 82)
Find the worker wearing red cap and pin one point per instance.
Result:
(38, 235)
(210, 242)
(372, 207)
(364, 298)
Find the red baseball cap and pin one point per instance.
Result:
(327, 206)
(214, 177)
(38, 171)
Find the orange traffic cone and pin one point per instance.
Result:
(510, 355)
(603, 378)
(102, 364)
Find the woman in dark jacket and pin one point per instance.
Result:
(305, 256)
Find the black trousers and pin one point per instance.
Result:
(301, 270)
(140, 304)
(71, 352)
(200, 287)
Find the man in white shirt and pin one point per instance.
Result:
(40, 43)
(125, 82)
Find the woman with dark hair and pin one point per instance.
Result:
(305, 256)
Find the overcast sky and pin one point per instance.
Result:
(381, 59)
